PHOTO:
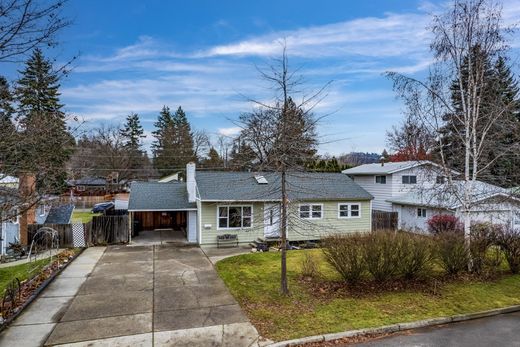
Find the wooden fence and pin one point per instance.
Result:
(107, 230)
(384, 220)
(85, 202)
(102, 230)
(65, 235)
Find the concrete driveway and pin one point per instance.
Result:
(153, 296)
(499, 330)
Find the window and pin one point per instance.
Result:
(234, 217)
(409, 179)
(381, 179)
(311, 211)
(349, 211)
(80, 188)
(441, 179)
(421, 212)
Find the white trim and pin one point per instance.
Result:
(310, 204)
(349, 210)
(241, 217)
(389, 172)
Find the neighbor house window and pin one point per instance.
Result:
(80, 188)
(234, 217)
(441, 179)
(421, 212)
(409, 179)
(311, 211)
(349, 211)
(381, 179)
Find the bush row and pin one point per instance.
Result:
(390, 255)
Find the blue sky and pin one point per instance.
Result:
(136, 56)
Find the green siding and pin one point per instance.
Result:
(298, 229)
(209, 229)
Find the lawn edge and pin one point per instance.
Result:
(38, 291)
(387, 329)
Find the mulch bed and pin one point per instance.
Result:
(432, 285)
(29, 288)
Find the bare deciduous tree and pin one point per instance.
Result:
(282, 135)
(27, 24)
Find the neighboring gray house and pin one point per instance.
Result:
(212, 203)
(417, 190)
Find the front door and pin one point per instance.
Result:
(271, 220)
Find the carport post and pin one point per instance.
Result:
(130, 226)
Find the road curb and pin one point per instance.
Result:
(387, 329)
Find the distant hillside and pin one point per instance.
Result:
(359, 158)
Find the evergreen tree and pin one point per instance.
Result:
(183, 148)
(242, 156)
(162, 147)
(132, 133)
(214, 161)
(47, 144)
(500, 90)
(8, 133)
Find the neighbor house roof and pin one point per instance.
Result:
(448, 196)
(249, 186)
(156, 196)
(387, 168)
(60, 214)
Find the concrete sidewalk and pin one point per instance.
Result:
(35, 324)
(153, 296)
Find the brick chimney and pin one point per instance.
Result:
(27, 189)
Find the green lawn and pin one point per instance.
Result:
(83, 217)
(22, 272)
(254, 281)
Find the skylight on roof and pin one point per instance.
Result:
(261, 180)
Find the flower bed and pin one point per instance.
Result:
(29, 279)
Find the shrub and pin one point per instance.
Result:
(509, 242)
(482, 238)
(442, 223)
(381, 255)
(345, 254)
(310, 266)
(416, 257)
(452, 252)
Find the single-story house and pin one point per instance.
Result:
(247, 204)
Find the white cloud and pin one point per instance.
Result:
(232, 131)
(391, 35)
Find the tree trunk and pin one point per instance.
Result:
(283, 280)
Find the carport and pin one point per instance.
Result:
(158, 206)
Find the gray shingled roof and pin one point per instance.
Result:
(156, 196)
(60, 214)
(242, 186)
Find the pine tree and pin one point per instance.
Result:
(183, 148)
(8, 133)
(500, 89)
(162, 147)
(242, 156)
(214, 161)
(133, 133)
(47, 144)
